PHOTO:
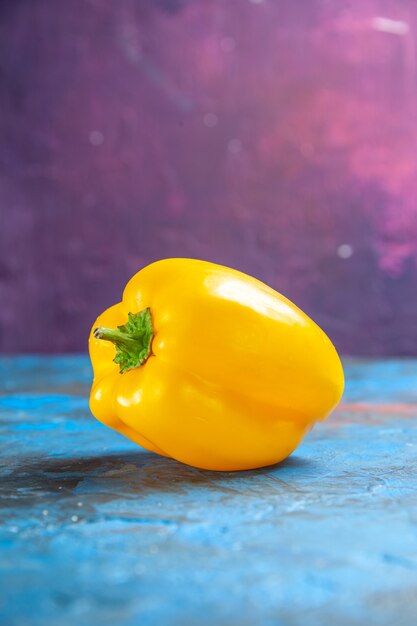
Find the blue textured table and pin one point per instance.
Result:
(98, 531)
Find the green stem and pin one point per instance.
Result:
(114, 335)
(132, 340)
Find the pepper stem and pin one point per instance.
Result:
(132, 340)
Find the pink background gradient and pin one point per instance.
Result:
(278, 137)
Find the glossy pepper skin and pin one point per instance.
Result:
(219, 370)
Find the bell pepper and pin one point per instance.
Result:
(211, 367)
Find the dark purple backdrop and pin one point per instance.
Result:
(275, 136)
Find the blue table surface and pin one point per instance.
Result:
(97, 531)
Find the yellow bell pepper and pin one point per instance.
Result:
(211, 367)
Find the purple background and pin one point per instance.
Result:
(278, 137)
